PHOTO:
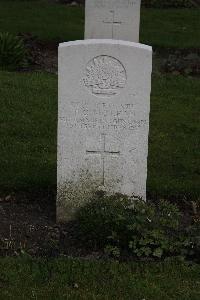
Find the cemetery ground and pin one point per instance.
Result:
(28, 118)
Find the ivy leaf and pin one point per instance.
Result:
(158, 252)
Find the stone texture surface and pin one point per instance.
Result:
(112, 19)
(104, 104)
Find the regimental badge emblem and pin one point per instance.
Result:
(105, 76)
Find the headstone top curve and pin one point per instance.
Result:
(105, 42)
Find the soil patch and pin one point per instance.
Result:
(29, 226)
(43, 56)
(177, 61)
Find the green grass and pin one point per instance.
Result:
(174, 161)
(169, 28)
(24, 278)
(28, 119)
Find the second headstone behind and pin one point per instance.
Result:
(112, 19)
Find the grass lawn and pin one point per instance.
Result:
(50, 21)
(25, 278)
(28, 119)
(174, 161)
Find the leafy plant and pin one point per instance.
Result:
(12, 52)
(101, 217)
(192, 244)
(121, 225)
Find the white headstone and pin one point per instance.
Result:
(104, 104)
(112, 19)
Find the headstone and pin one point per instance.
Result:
(104, 104)
(112, 19)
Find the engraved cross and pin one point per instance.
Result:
(103, 152)
(113, 21)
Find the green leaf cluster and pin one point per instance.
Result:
(129, 226)
(12, 52)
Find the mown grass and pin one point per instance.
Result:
(26, 278)
(50, 21)
(174, 142)
(28, 119)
